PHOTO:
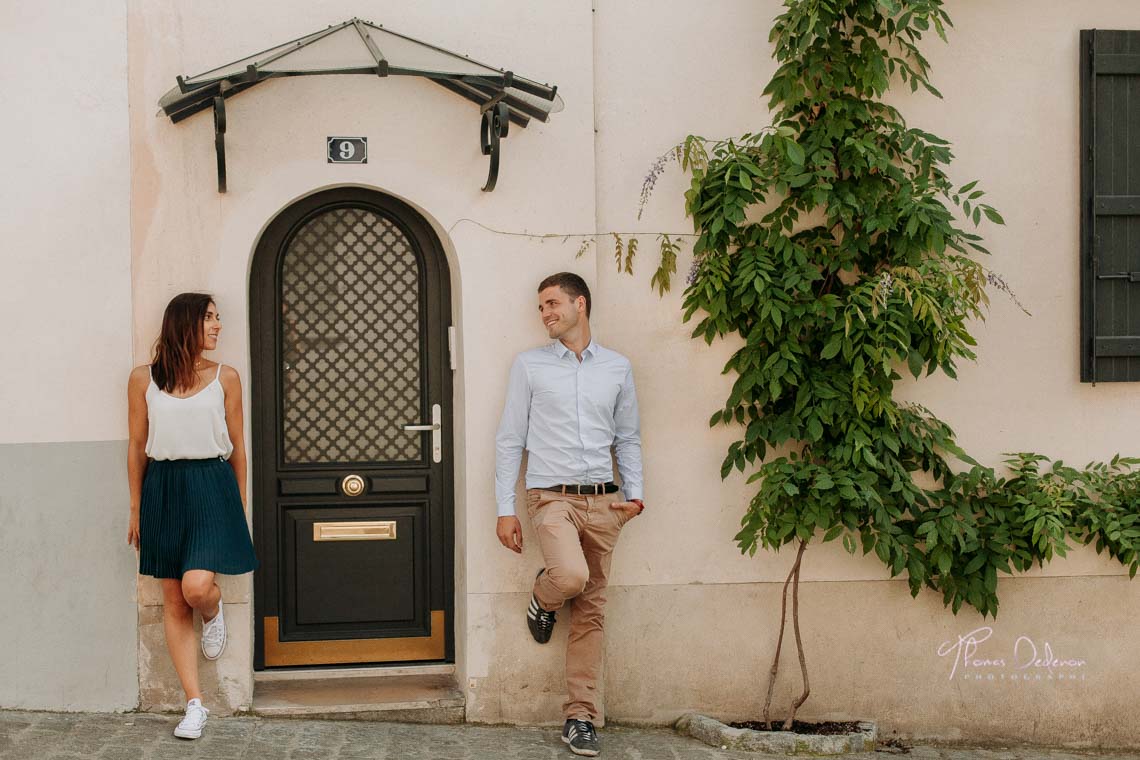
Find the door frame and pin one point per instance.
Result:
(265, 423)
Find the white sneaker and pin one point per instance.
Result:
(214, 635)
(195, 720)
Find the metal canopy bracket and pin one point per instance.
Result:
(492, 128)
(501, 96)
(220, 140)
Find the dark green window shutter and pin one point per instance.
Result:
(1110, 205)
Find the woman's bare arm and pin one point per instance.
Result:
(137, 429)
(235, 423)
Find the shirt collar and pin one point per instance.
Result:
(560, 349)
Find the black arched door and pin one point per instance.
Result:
(351, 387)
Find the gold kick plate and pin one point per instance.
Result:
(344, 651)
(382, 530)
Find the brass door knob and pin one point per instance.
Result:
(352, 485)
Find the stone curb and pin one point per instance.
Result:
(714, 733)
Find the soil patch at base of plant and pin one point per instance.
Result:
(826, 728)
(844, 736)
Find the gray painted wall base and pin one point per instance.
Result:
(70, 622)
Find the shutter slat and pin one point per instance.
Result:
(1117, 63)
(1116, 205)
(1123, 345)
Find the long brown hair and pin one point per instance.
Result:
(180, 342)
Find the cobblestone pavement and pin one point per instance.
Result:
(135, 736)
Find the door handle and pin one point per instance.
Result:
(436, 429)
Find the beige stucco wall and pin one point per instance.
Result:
(64, 212)
(65, 306)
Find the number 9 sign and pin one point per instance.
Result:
(348, 150)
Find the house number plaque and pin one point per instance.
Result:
(348, 150)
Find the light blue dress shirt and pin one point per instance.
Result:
(567, 414)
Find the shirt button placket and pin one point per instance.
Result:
(578, 401)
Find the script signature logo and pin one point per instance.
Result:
(1026, 656)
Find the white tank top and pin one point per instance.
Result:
(188, 428)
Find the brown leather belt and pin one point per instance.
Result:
(590, 489)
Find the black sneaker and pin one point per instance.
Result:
(539, 621)
(581, 737)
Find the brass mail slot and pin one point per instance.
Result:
(383, 530)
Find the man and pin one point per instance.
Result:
(567, 404)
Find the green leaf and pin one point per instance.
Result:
(993, 215)
(943, 562)
(991, 579)
(831, 534)
(794, 152)
(882, 553)
(915, 361)
(975, 564)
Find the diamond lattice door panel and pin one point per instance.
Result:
(350, 309)
(350, 315)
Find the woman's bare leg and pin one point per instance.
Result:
(201, 592)
(178, 622)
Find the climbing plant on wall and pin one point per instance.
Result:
(835, 249)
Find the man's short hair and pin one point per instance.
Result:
(571, 284)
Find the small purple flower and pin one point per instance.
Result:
(655, 172)
(694, 271)
(886, 286)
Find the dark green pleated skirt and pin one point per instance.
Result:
(191, 518)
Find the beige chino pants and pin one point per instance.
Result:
(577, 535)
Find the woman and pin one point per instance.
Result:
(187, 502)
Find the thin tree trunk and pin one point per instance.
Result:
(779, 644)
(799, 641)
